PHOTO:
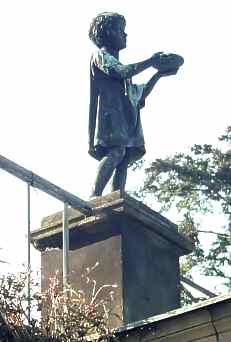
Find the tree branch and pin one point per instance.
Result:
(212, 232)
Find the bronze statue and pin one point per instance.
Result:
(115, 131)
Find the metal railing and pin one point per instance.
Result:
(68, 199)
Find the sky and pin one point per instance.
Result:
(44, 94)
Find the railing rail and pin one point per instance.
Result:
(197, 287)
(42, 184)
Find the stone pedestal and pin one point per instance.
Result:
(136, 248)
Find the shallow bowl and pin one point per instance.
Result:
(170, 61)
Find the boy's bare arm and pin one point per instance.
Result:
(121, 71)
(150, 85)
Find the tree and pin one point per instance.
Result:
(197, 185)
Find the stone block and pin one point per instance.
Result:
(136, 247)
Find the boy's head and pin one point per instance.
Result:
(104, 27)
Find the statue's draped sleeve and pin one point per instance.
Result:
(110, 65)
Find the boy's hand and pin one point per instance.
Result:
(156, 57)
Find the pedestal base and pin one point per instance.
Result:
(136, 248)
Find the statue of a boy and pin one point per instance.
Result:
(115, 131)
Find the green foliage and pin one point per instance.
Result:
(197, 184)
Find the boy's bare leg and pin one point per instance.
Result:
(106, 168)
(120, 176)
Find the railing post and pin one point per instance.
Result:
(65, 246)
(28, 255)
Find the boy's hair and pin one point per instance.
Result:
(101, 25)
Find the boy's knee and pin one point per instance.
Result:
(118, 154)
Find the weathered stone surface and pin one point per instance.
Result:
(109, 272)
(105, 210)
(136, 247)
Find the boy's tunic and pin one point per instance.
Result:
(115, 104)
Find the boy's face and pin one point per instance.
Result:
(117, 37)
